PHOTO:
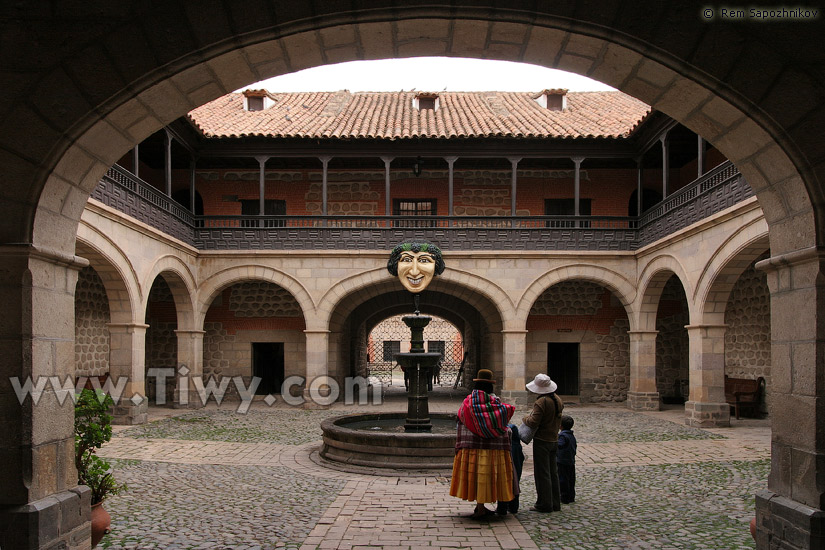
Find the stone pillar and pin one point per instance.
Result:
(706, 406)
(791, 513)
(515, 362)
(127, 360)
(190, 367)
(643, 394)
(317, 351)
(41, 504)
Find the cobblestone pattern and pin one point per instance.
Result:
(215, 507)
(714, 500)
(283, 426)
(91, 336)
(262, 299)
(199, 490)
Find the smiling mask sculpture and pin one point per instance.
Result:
(415, 265)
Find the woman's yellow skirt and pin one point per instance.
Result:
(482, 475)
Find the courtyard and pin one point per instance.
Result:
(217, 479)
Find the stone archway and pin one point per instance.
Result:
(479, 317)
(80, 109)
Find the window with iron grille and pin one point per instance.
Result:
(414, 207)
(272, 207)
(566, 207)
(436, 346)
(391, 347)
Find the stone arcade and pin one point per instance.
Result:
(81, 90)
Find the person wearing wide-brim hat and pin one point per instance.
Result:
(545, 419)
(483, 467)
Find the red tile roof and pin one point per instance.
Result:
(391, 115)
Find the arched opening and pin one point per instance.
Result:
(748, 334)
(578, 334)
(161, 343)
(253, 330)
(672, 345)
(473, 316)
(391, 336)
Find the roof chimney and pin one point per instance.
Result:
(426, 100)
(257, 100)
(554, 99)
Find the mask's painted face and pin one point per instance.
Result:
(416, 270)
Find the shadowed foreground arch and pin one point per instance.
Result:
(82, 89)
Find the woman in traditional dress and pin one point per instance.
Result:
(483, 467)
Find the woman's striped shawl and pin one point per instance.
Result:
(485, 415)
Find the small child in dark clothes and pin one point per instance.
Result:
(518, 461)
(566, 460)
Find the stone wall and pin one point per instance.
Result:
(748, 318)
(91, 334)
(247, 313)
(588, 314)
(672, 344)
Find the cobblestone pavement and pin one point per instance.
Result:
(215, 479)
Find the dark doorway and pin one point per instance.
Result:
(268, 365)
(563, 367)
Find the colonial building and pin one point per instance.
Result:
(577, 228)
(84, 86)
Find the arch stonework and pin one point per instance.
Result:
(178, 275)
(476, 290)
(210, 287)
(114, 268)
(616, 282)
(724, 269)
(761, 111)
(652, 280)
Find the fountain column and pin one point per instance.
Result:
(418, 366)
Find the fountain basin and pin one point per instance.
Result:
(348, 440)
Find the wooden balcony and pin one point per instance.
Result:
(717, 190)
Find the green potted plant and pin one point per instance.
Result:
(93, 428)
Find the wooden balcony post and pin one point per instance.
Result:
(577, 187)
(192, 195)
(168, 163)
(387, 161)
(324, 186)
(450, 174)
(513, 181)
(261, 185)
(665, 165)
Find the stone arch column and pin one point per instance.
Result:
(792, 506)
(707, 405)
(643, 394)
(40, 500)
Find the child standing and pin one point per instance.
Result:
(566, 460)
(518, 462)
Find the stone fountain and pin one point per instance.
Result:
(401, 440)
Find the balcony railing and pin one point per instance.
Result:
(717, 190)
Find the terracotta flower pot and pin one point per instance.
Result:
(101, 520)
